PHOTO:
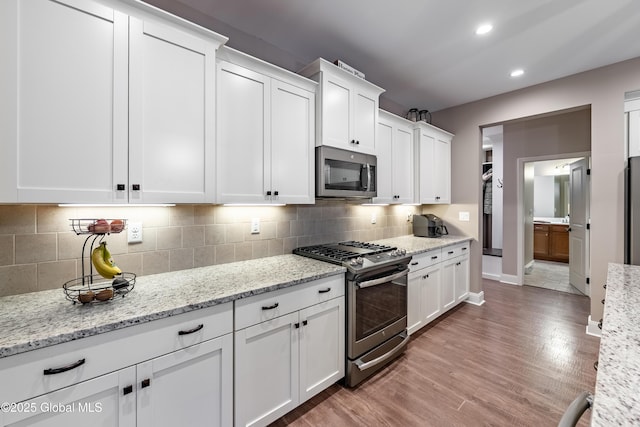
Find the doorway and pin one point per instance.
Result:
(553, 205)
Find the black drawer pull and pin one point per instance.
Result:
(464, 249)
(145, 383)
(324, 291)
(135, 187)
(434, 257)
(191, 331)
(304, 323)
(53, 371)
(297, 325)
(128, 389)
(271, 307)
(415, 263)
(450, 252)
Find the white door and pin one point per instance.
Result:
(292, 162)
(266, 371)
(462, 278)
(64, 122)
(336, 112)
(106, 401)
(426, 166)
(578, 222)
(243, 125)
(190, 387)
(442, 170)
(448, 284)
(431, 300)
(414, 301)
(172, 94)
(384, 166)
(365, 116)
(321, 347)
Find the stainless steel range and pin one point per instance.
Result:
(376, 293)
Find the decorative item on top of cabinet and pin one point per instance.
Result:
(394, 152)
(103, 125)
(347, 108)
(432, 164)
(265, 133)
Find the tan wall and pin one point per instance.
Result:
(38, 250)
(604, 90)
(550, 135)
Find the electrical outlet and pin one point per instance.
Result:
(374, 218)
(255, 225)
(463, 216)
(134, 232)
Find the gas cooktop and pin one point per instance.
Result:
(353, 255)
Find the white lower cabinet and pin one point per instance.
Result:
(294, 352)
(173, 371)
(438, 281)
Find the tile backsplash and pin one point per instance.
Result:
(39, 251)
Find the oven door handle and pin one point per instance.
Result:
(382, 280)
(366, 365)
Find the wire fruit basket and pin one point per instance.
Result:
(92, 288)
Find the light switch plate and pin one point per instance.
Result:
(134, 232)
(374, 218)
(463, 216)
(255, 225)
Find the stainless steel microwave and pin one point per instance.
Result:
(344, 173)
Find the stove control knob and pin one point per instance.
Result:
(353, 262)
(395, 253)
(360, 260)
(402, 251)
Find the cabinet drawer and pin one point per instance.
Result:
(540, 227)
(425, 259)
(455, 250)
(259, 308)
(87, 358)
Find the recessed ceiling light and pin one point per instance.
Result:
(517, 73)
(484, 29)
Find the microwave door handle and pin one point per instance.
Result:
(382, 280)
(368, 177)
(364, 181)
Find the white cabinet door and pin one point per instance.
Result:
(266, 371)
(462, 278)
(365, 119)
(403, 165)
(448, 285)
(336, 112)
(433, 166)
(171, 95)
(243, 125)
(64, 101)
(384, 166)
(188, 387)
(431, 290)
(292, 167)
(108, 400)
(322, 359)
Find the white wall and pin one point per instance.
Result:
(603, 89)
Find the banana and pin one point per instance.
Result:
(102, 261)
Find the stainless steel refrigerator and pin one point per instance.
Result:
(632, 212)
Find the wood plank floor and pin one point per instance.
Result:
(517, 360)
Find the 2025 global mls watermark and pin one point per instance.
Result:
(52, 407)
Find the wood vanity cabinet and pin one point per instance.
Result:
(551, 242)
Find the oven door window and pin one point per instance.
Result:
(380, 306)
(341, 175)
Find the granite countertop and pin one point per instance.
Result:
(415, 245)
(616, 398)
(41, 319)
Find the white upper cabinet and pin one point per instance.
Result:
(394, 151)
(265, 133)
(97, 98)
(433, 164)
(347, 108)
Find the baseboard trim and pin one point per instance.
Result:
(509, 279)
(592, 328)
(475, 298)
(490, 276)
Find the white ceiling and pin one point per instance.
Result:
(425, 52)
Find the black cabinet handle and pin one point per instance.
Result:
(602, 300)
(53, 371)
(353, 141)
(464, 249)
(268, 193)
(357, 142)
(458, 263)
(434, 257)
(271, 307)
(304, 323)
(324, 291)
(121, 187)
(191, 331)
(145, 383)
(135, 187)
(450, 252)
(600, 324)
(128, 389)
(604, 286)
(297, 325)
(275, 193)
(415, 263)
